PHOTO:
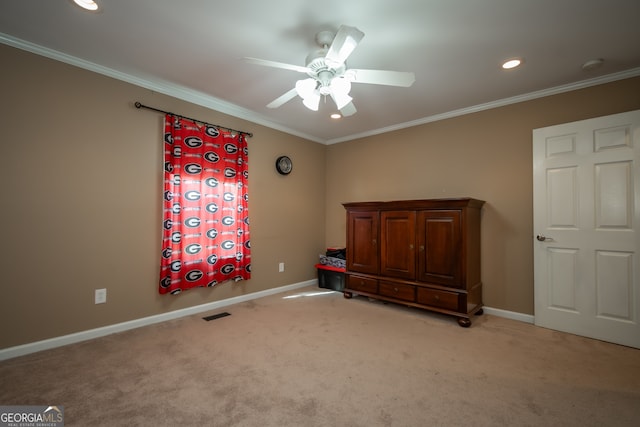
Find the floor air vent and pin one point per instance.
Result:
(216, 316)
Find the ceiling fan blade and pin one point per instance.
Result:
(348, 110)
(382, 77)
(275, 64)
(343, 44)
(283, 99)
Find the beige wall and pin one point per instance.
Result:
(81, 169)
(486, 155)
(81, 173)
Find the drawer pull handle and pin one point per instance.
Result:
(395, 289)
(437, 297)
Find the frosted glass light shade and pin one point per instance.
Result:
(341, 99)
(305, 88)
(312, 101)
(340, 85)
(340, 88)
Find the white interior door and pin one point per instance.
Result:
(586, 197)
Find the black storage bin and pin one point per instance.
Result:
(330, 277)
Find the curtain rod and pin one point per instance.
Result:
(139, 105)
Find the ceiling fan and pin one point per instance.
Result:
(328, 73)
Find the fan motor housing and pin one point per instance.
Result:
(316, 63)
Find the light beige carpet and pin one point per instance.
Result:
(326, 361)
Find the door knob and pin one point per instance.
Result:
(541, 237)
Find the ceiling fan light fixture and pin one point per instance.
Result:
(312, 102)
(328, 73)
(340, 85)
(341, 99)
(306, 88)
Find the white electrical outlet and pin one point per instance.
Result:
(281, 267)
(101, 296)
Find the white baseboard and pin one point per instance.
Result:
(24, 349)
(527, 318)
(34, 347)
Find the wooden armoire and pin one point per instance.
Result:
(420, 253)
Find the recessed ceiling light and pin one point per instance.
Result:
(512, 63)
(335, 116)
(87, 4)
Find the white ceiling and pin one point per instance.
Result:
(192, 49)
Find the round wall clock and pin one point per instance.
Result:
(284, 165)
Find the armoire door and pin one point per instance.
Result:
(397, 246)
(440, 254)
(362, 237)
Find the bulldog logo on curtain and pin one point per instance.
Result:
(205, 239)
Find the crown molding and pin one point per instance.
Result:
(634, 72)
(225, 107)
(160, 86)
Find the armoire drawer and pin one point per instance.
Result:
(435, 298)
(364, 284)
(398, 291)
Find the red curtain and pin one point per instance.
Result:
(205, 237)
